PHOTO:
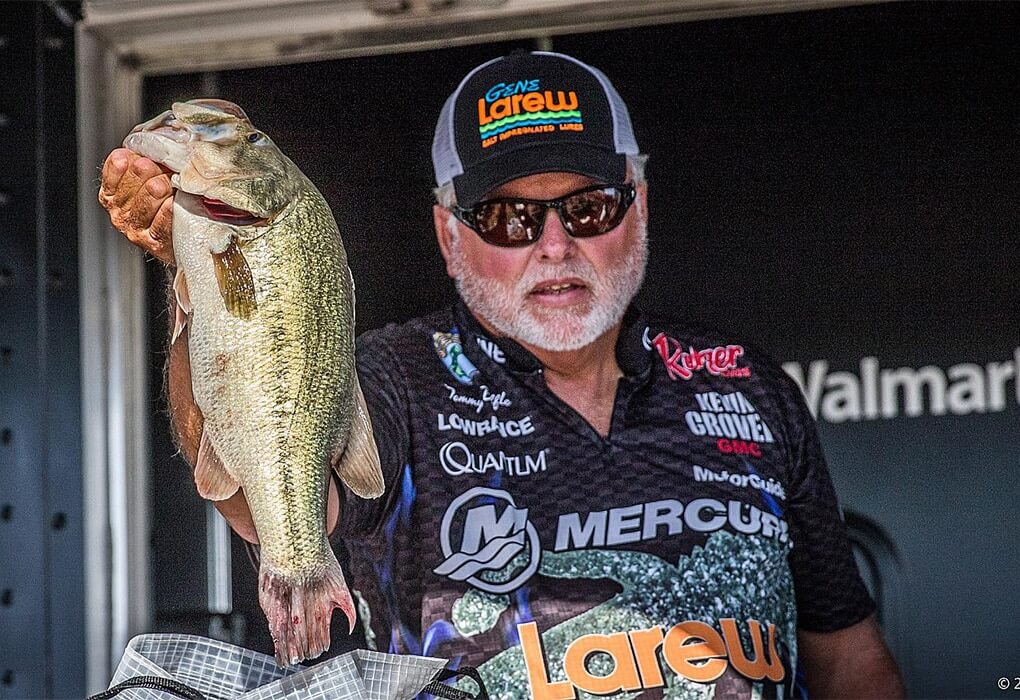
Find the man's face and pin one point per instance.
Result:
(560, 293)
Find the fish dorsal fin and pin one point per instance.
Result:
(235, 281)
(183, 309)
(213, 481)
(358, 463)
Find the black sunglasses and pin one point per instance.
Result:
(510, 222)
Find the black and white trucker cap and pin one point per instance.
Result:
(529, 113)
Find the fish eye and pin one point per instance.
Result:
(254, 136)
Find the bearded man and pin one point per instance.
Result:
(578, 498)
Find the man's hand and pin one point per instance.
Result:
(849, 663)
(137, 193)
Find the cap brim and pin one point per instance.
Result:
(582, 159)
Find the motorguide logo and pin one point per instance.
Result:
(691, 649)
(752, 481)
(484, 531)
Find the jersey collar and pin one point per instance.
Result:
(632, 354)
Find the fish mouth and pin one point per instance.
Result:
(219, 211)
(166, 143)
(169, 140)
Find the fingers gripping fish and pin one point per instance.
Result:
(263, 283)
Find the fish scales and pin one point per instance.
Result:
(291, 353)
(263, 284)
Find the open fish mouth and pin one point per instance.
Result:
(217, 210)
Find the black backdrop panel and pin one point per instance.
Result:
(839, 187)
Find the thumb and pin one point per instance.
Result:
(161, 232)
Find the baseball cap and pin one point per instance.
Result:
(527, 113)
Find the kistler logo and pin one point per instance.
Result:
(491, 540)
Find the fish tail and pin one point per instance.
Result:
(299, 612)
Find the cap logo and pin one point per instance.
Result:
(516, 109)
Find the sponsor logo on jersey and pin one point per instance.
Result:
(451, 352)
(492, 350)
(477, 428)
(727, 416)
(719, 361)
(745, 481)
(649, 521)
(642, 658)
(874, 392)
(521, 107)
(738, 447)
(495, 536)
(457, 459)
(495, 400)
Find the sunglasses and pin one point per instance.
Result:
(510, 222)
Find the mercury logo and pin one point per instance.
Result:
(490, 541)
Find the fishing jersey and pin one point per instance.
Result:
(678, 554)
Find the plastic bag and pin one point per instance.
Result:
(167, 666)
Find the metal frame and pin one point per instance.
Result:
(119, 43)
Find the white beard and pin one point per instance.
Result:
(509, 309)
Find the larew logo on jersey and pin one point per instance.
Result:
(484, 533)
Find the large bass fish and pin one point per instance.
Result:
(263, 283)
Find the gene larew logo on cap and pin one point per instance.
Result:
(516, 109)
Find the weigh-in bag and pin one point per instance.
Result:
(168, 666)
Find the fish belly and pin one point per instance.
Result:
(276, 393)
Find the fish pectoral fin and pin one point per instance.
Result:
(358, 462)
(213, 481)
(235, 281)
(183, 309)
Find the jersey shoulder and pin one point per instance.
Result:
(402, 341)
(717, 351)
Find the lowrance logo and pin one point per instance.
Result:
(646, 521)
(478, 428)
(876, 393)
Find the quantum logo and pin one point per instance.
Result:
(490, 541)
(457, 459)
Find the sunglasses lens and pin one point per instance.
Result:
(509, 224)
(594, 212)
